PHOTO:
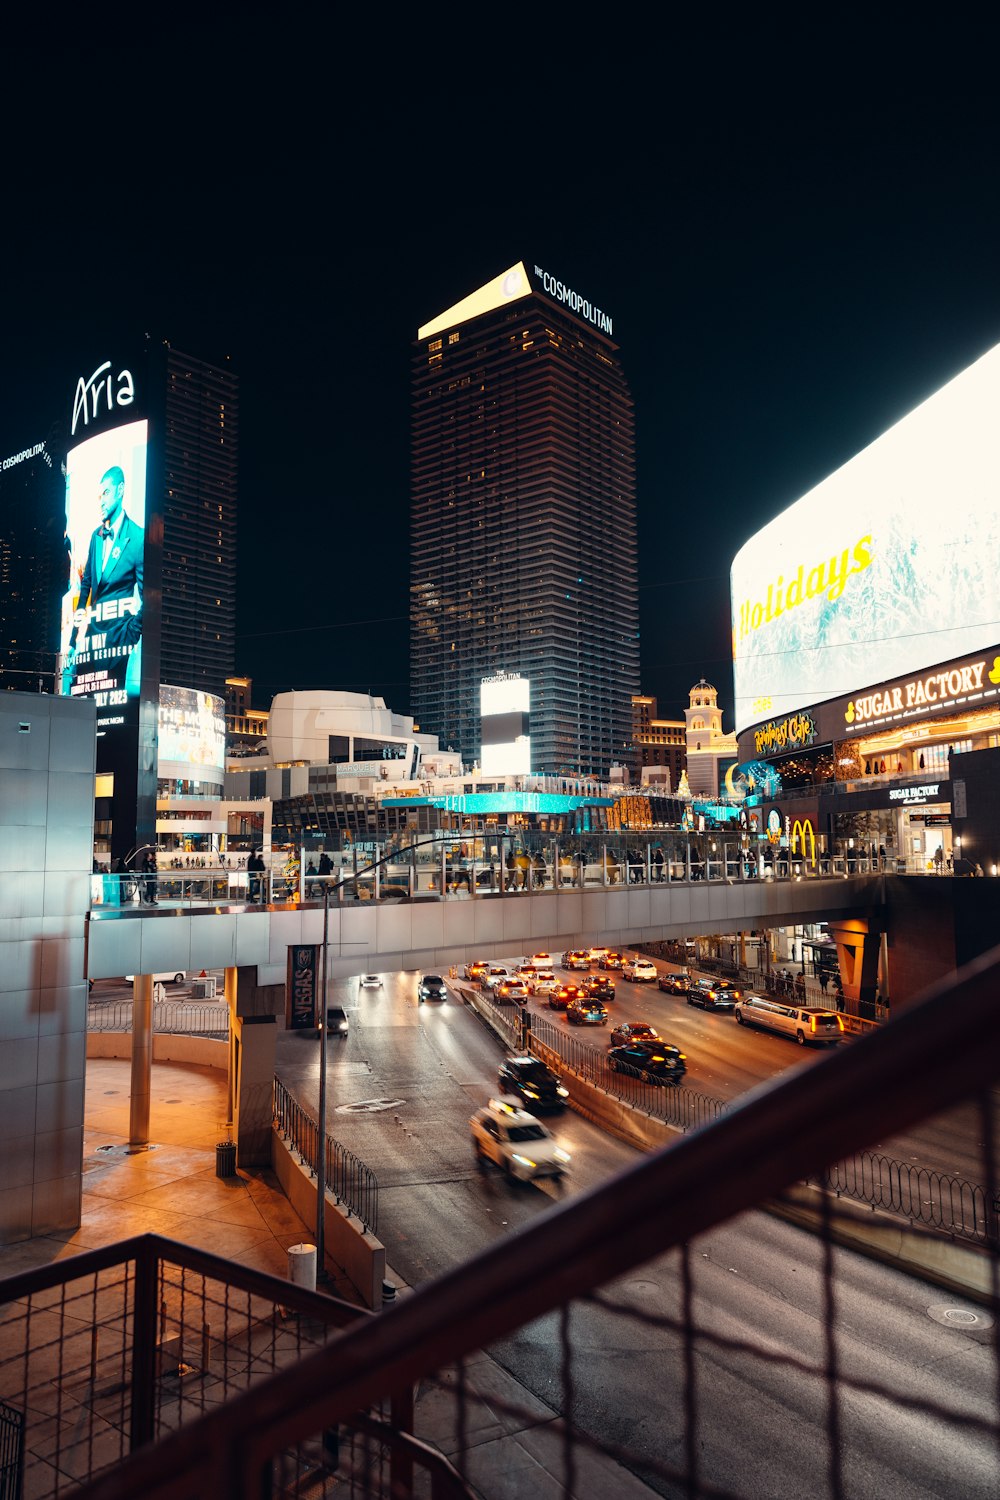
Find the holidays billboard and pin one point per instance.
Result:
(890, 565)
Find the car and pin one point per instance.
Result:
(564, 995)
(494, 975)
(541, 960)
(805, 1023)
(543, 983)
(504, 1133)
(674, 984)
(633, 1031)
(336, 1021)
(432, 987)
(526, 972)
(587, 1012)
(599, 987)
(596, 954)
(714, 994)
(653, 1062)
(576, 958)
(611, 959)
(513, 989)
(370, 982)
(640, 971)
(476, 969)
(538, 1088)
(169, 976)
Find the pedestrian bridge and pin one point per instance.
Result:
(192, 931)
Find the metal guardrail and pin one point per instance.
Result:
(352, 1183)
(931, 1199)
(170, 1016)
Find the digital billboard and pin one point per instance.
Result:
(890, 565)
(192, 729)
(102, 609)
(504, 725)
(110, 616)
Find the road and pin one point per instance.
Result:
(761, 1425)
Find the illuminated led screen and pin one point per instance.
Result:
(192, 728)
(504, 725)
(891, 565)
(101, 626)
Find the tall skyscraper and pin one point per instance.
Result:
(33, 564)
(201, 446)
(524, 531)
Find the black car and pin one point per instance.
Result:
(714, 994)
(336, 1021)
(538, 1088)
(675, 984)
(653, 1062)
(432, 987)
(599, 987)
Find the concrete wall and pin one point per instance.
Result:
(935, 924)
(46, 858)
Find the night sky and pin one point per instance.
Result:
(795, 252)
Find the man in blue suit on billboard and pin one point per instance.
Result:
(111, 586)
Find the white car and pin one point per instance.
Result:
(504, 1133)
(171, 976)
(543, 983)
(370, 982)
(640, 971)
(542, 960)
(495, 975)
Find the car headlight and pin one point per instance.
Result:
(561, 1155)
(525, 1161)
(563, 1093)
(531, 1093)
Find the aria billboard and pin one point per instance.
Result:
(108, 650)
(888, 566)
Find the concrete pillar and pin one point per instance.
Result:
(142, 1062)
(253, 1009)
(858, 949)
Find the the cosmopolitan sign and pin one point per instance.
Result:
(891, 560)
(564, 294)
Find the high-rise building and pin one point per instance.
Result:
(523, 521)
(33, 564)
(657, 744)
(200, 451)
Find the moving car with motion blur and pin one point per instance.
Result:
(541, 960)
(714, 994)
(432, 987)
(476, 969)
(538, 1088)
(652, 1062)
(336, 1021)
(504, 1133)
(587, 1012)
(494, 976)
(640, 971)
(370, 982)
(563, 995)
(633, 1031)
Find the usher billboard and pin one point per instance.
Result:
(109, 641)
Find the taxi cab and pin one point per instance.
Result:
(504, 1133)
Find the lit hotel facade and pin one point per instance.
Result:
(524, 521)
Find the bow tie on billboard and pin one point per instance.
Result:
(105, 531)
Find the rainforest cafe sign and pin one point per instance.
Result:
(793, 733)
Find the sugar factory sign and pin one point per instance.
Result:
(947, 688)
(916, 796)
(777, 735)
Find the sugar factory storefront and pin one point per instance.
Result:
(870, 771)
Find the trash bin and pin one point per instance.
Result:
(225, 1159)
(302, 1266)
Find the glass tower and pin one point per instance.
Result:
(523, 521)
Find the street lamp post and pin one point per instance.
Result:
(321, 1147)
